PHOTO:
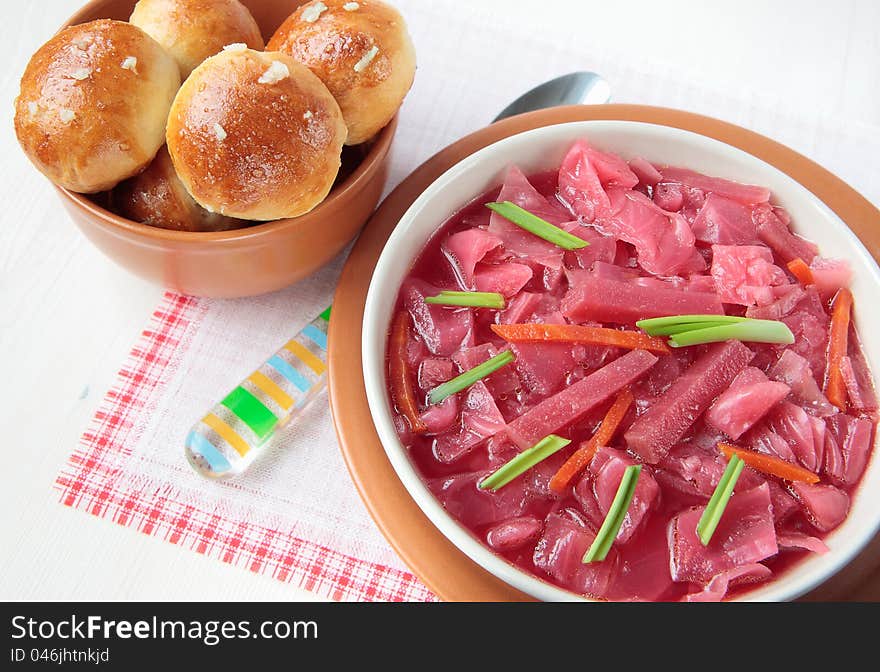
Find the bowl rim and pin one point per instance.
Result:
(363, 172)
(464, 540)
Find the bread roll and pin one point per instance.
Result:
(93, 104)
(360, 50)
(193, 30)
(158, 198)
(255, 135)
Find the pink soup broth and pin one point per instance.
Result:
(663, 241)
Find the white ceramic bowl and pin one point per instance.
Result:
(543, 149)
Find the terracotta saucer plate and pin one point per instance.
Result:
(450, 574)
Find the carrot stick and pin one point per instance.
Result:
(835, 387)
(398, 368)
(573, 333)
(770, 465)
(584, 454)
(801, 271)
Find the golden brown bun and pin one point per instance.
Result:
(361, 51)
(93, 104)
(193, 30)
(158, 198)
(255, 135)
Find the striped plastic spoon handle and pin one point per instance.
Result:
(231, 435)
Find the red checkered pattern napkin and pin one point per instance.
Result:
(124, 470)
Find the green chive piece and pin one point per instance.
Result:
(680, 320)
(715, 508)
(598, 550)
(540, 227)
(672, 329)
(470, 377)
(684, 330)
(474, 299)
(756, 331)
(523, 462)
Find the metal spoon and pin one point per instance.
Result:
(236, 430)
(571, 89)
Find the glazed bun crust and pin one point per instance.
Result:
(360, 50)
(193, 30)
(93, 104)
(157, 197)
(255, 135)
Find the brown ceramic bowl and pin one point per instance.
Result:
(248, 261)
(440, 564)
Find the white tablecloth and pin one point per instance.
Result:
(804, 73)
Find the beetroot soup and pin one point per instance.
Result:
(633, 381)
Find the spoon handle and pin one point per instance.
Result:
(235, 431)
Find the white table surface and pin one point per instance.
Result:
(68, 316)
